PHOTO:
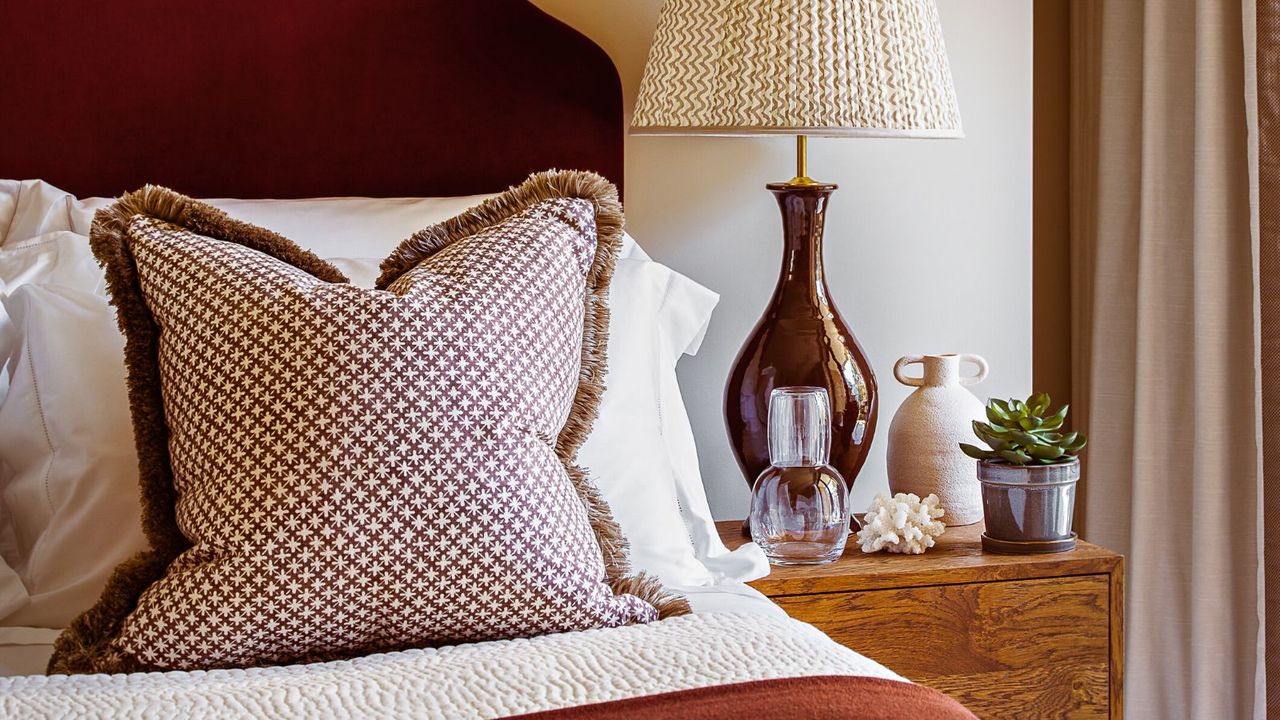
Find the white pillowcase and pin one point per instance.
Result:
(657, 311)
(329, 227)
(69, 474)
(640, 451)
(626, 452)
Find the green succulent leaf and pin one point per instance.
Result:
(983, 430)
(1054, 421)
(1045, 452)
(1003, 433)
(996, 415)
(1015, 457)
(1022, 433)
(1039, 403)
(1025, 438)
(976, 452)
(997, 441)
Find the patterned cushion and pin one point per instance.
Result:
(330, 471)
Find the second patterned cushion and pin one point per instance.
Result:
(329, 471)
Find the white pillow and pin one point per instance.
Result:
(643, 433)
(69, 473)
(626, 452)
(33, 212)
(685, 316)
(641, 449)
(329, 227)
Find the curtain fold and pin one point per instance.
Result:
(1165, 342)
(1263, 68)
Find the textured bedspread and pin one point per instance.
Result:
(490, 679)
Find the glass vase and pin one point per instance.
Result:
(800, 503)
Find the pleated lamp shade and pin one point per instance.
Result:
(873, 68)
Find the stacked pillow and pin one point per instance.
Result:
(64, 469)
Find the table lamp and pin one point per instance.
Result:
(840, 68)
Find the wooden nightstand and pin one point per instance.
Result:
(1010, 636)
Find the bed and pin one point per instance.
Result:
(432, 105)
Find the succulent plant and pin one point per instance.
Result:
(1025, 433)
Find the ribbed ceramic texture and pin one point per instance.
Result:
(829, 67)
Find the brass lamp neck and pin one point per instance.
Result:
(802, 164)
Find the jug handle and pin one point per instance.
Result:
(902, 364)
(983, 369)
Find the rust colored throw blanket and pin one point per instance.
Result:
(828, 697)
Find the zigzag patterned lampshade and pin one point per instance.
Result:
(817, 67)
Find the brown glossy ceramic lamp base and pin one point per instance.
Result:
(801, 340)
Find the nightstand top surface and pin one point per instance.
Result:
(957, 558)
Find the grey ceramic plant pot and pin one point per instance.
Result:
(1028, 509)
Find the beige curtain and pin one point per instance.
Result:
(1165, 343)
(1264, 80)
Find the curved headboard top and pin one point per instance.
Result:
(299, 98)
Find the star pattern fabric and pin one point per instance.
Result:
(361, 470)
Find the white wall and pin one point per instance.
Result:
(928, 241)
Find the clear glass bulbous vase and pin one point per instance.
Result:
(800, 503)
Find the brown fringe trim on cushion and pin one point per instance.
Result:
(650, 589)
(85, 645)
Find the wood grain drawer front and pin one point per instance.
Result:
(1017, 648)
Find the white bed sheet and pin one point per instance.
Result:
(729, 597)
(26, 651)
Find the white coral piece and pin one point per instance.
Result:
(901, 524)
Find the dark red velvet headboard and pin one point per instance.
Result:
(300, 98)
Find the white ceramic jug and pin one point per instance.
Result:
(925, 436)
